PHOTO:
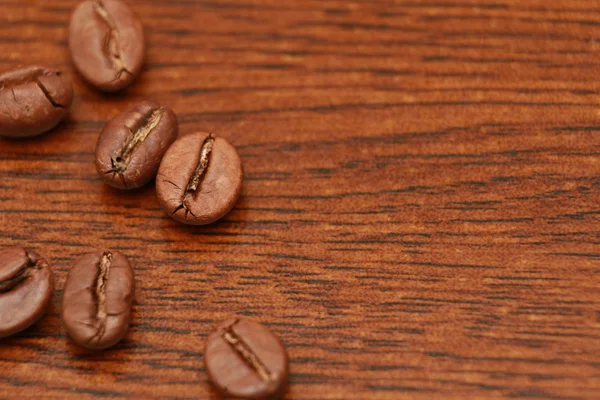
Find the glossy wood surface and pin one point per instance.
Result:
(420, 216)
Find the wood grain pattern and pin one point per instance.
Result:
(420, 215)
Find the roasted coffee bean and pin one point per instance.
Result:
(199, 179)
(245, 360)
(107, 43)
(97, 298)
(26, 287)
(33, 100)
(131, 145)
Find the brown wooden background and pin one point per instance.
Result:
(420, 216)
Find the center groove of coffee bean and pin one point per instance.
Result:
(9, 284)
(120, 161)
(245, 352)
(199, 172)
(202, 165)
(32, 76)
(100, 292)
(47, 94)
(112, 41)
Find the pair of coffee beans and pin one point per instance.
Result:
(97, 297)
(107, 45)
(198, 177)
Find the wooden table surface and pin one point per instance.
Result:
(420, 213)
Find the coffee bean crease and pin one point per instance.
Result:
(245, 353)
(31, 76)
(112, 41)
(19, 277)
(120, 161)
(198, 175)
(48, 95)
(100, 293)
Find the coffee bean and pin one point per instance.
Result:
(33, 100)
(107, 43)
(97, 298)
(245, 360)
(26, 287)
(131, 145)
(199, 179)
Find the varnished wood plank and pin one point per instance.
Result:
(419, 217)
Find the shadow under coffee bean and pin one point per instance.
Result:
(26, 288)
(199, 179)
(97, 299)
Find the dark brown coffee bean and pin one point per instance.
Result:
(26, 287)
(107, 43)
(199, 179)
(245, 360)
(97, 298)
(131, 145)
(33, 100)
